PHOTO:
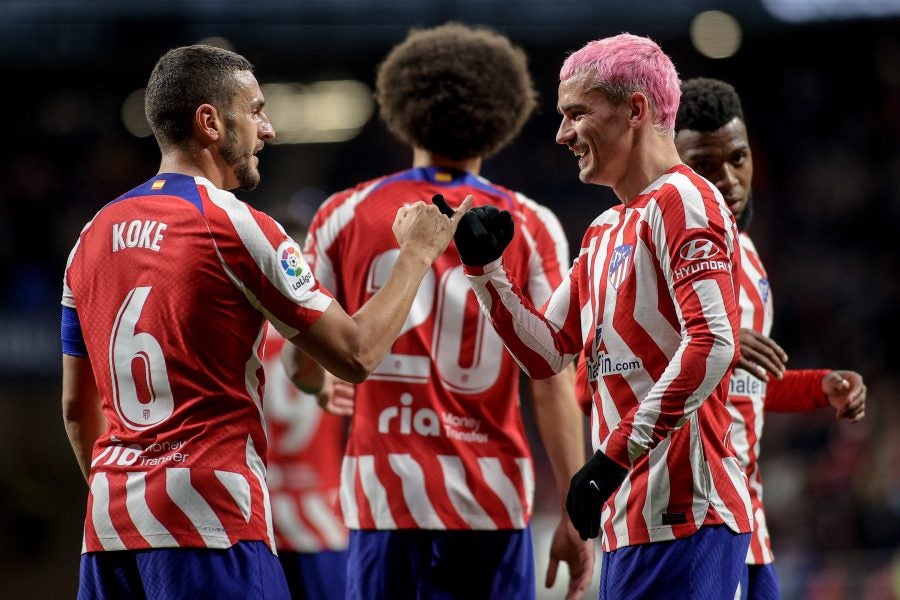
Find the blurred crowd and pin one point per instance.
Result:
(827, 223)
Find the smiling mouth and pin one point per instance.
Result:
(582, 159)
(579, 154)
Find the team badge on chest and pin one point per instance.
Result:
(764, 289)
(620, 265)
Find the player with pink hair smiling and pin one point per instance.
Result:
(650, 305)
(622, 63)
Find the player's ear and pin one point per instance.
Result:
(638, 109)
(207, 124)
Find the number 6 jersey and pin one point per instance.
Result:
(437, 440)
(171, 285)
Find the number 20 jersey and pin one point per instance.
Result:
(172, 283)
(436, 440)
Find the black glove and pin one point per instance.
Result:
(591, 486)
(483, 232)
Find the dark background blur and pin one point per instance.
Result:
(821, 95)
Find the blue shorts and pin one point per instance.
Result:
(244, 571)
(704, 566)
(760, 582)
(440, 565)
(315, 575)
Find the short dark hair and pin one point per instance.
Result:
(183, 79)
(707, 105)
(455, 90)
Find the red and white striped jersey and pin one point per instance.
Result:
(437, 440)
(651, 304)
(305, 449)
(172, 283)
(749, 397)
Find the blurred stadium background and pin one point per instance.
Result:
(820, 80)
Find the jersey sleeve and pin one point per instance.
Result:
(265, 264)
(798, 391)
(71, 334)
(543, 341)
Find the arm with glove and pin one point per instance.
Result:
(589, 489)
(543, 341)
(482, 235)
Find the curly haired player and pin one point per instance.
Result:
(438, 478)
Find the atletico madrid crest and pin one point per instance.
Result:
(764, 289)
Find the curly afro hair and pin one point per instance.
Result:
(707, 105)
(454, 90)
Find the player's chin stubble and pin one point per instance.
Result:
(246, 174)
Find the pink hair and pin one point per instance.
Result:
(627, 63)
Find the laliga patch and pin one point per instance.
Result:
(293, 268)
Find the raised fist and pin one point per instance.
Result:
(483, 232)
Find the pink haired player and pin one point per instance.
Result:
(650, 304)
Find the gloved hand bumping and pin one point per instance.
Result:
(590, 487)
(483, 232)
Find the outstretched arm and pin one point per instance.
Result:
(351, 347)
(801, 390)
(543, 342)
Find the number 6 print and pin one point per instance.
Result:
(141, 392)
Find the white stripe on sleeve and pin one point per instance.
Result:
(260, 249)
